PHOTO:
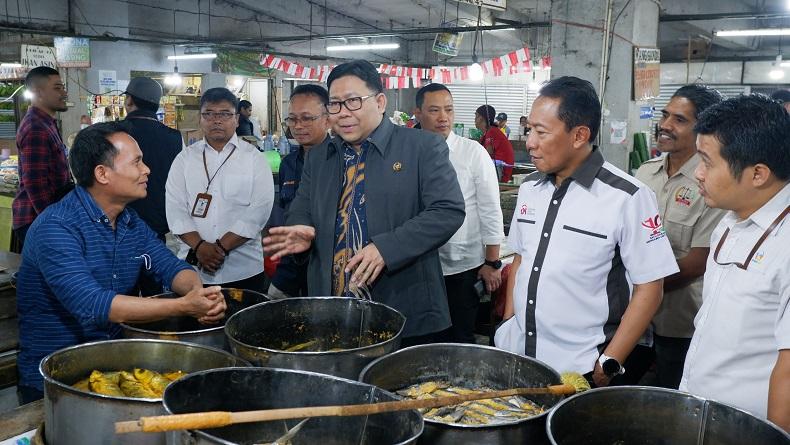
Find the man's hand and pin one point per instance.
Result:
(599, 377)
(492, 277)
(288, 240)
(207, 305)
(367, 264)
(210, 256)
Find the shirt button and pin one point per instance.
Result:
(529, 333)
(554, 202)
(531, 301)
(114, 276)
(546, 235)
(536, 268)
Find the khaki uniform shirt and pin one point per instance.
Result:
(689, 223)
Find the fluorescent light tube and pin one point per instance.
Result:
(192, 56)
(754, 32)
(363, 47)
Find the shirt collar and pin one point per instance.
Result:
(452, 140)
(232, 142)
(766, 214)
(142, 113)
(378, 139)
(687, 169)
(41, 114)
(95, 213)
(586, 172)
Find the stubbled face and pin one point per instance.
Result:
(51, 94)
(311, 123)
(550, 143)
(355, 126)
(716, 183)
(437, 113)
(676, 127)
(128, 176)
(220, 127)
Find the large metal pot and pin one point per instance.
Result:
(360, 330)
(188, 329)
(468, 365)
(75, 417)
(242, 389)
(654, 416)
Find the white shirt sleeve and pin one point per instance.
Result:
(487, 193)
(251, 221)
(782, 331)
(177, 202)
(514, 237)
(644, 246)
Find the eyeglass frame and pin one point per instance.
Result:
(306, 120)
(223, 116)
(342, 103)
(760, 241)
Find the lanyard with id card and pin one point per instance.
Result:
(203, 200)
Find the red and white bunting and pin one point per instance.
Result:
(396, 76)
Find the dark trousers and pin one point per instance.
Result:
(20, 233)
(464, 302)
(670, 358)
(291, 277)
(27, 394)
(257, 283)
(434, 337)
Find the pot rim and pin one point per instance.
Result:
(68, 388)
(366, 369)
(642, 388)
(394, 338)
(134, 326)
(293, 371)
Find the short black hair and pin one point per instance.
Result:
(243, 104)
(579, 104)
(214, 95)
(92, 147)
(430, 88)
(361, 69)
(752, 129)
(311, 89)
(781, 96)
(488, 112)
(38, 73)
(702, 96)
(143, 104)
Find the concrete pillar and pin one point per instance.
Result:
(577, 45)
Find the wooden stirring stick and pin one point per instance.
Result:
(216, 419)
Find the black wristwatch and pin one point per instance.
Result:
(495, 264)
(610, 366)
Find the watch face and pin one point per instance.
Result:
(611, 367)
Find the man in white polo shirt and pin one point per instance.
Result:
(591, 252)
(472, 253)
(740, 352)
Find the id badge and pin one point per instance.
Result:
(202, 202)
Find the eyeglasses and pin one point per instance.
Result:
(307, 120)
(217, 115)
(352, 104)
(760, 241)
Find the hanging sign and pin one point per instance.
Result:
(36, 55)
(447, 43)
(107, 81)
(647, 73)
(492, 4)
(73, 52)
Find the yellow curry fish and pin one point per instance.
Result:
(131, 387)
(100, 384)
(152, 379)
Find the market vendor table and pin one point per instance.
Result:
(22, 419)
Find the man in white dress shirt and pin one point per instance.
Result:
(472, 254)
(219, 196)
(740, 352)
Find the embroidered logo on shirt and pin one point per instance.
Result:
(656, 228)
(758, 257)
(528, 211)
(684, 196)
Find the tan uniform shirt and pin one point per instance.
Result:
(689, 223)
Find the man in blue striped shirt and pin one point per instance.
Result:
(83, 256)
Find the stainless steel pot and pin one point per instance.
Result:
(468, 365)
(75, 417)
(188, 329)
(362, 331)
(645, 415)
(242, 389)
